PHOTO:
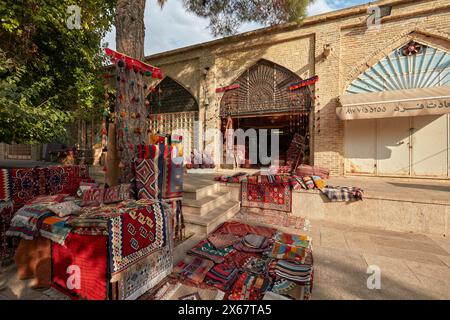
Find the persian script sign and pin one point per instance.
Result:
(397, 109)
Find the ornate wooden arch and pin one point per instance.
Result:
(264, 89)
(171, 97)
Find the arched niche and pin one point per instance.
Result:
(264, 89)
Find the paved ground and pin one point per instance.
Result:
(413, 266)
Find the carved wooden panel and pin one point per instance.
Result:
(264, 88)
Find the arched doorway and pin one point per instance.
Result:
(263, 100)
(172, 108)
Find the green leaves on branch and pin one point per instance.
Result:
(226, 16)
(50, 75)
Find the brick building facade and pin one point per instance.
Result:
(338, 47)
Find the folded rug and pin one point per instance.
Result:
(283, 251)
(303, 241)
(253, 243)
(299, 273)
(242, 229)
(207, 250)
(193, 268)
(222, 276)
(221, 240)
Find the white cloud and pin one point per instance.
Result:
(319, 7)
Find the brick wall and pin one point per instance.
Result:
(300, 49)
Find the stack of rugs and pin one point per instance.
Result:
(244, 262)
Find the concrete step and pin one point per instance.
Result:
(204, 225)
(204, 205)
(199, 191)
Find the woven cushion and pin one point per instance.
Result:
(93, 197)
(117, 193)
(64, 208)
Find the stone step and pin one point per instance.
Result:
(204, 205)
(204, 225)
(199, 191)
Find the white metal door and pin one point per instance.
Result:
(393, 146)
(430, 146)
(360, 146)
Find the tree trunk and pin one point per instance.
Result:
(130, 28)
(130, 35)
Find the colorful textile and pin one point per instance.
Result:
(297, 183)
(238, 259)
(221, 240)
(235, 178)
(158, 266)
(136, 234)
(256, 265)
(242, 229)
(271, 196)
(27, 221)
(318, 182)
(306, 170)
(249, 287)
(303, 241)
(47, 199)
(343, 194)
(221, 276)
(193, 268)
(268, 179)
(25, 186)
(274, 218)
(292, 290)
(64, 208)
(309, 182)
(84, 185)
(89, 253)
(207, 250)
(299, 273)
(253, 243)
(58, 180)
(175, 290)
(288, 252)
(55, 229)
(5, 185)
(118, 193)
(146, 175)
(172, 176)
(93, 197)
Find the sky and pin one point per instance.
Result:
(173, 27)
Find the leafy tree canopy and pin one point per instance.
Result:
(226, 16)
(50, 74)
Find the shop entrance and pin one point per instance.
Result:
(262, 98)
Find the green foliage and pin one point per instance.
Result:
(50, 74)
(226, 16)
